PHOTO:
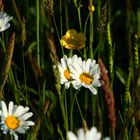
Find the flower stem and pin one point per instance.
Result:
(57, 32)
(37, 32)
(79, 17)
(79, 108)
(61, 29)
(91, 36)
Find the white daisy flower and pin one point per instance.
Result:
(64, 71)
(14, 119)
(4, 19)
(82, 134)
(85, 73)
(85, 135)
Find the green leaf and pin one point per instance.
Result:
(121, 75)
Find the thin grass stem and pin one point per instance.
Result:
(79, 108)
(79, 17)
(24, 73)
(37, 31)
(17, 11)
(61, 25)
(91, 36)
(57, 33)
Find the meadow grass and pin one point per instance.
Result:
(30, 51)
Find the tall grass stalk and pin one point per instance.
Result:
(79, 17)
(24, 73)
(66, 111)
(110, 49)
(136, 52)
(66, 15)
(72, 101)
(91, 36)
(64, 114)
(17, 11)
(14, 89)
(38, 30)
(57, 33)
(85, 29)
(61, 25)
(78, 6)
(79, 108)
(23, 59)
(7, 63)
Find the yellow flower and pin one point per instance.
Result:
(73, 40)
(91, 7)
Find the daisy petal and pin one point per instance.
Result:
(93, 90)
(15, 136)
(76, 84)
(26, 116)
(71, 136)
(18, 111)
(81, 134)
(10, 108)
(4, 108)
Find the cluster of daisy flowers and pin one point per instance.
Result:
(14, 119)
(79, 73)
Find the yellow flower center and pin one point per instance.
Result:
(67, 74)
(12, 122)
(86, 78)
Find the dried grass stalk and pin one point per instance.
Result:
(7, 62)
(109, 98)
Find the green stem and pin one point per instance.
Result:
(72, 100)
(66, 113)
(24, 73)
(63, 112)
(57, 32)
(79, 108)
(37, 32)
(66, 15)
(17, 12)
(85, 28)
(99, 9)
(110, 50)
(71, 112)
(86, 99)
(79, 17)
(91, 36)
(113, 133)
(61, 29)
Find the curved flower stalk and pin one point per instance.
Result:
(82, 134)
(80, 73)
(73, 40)
(14, 119)
(4, 21)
